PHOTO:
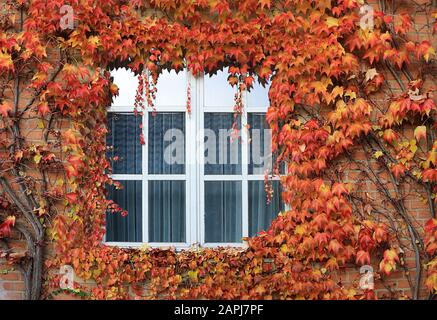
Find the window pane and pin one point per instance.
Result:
(260, 145)
(223, 211)
(261, 213)
(124, 137)
(167, 143)
(222, 144)
(128, 228)
(172, 89)
(258, 96)
(127, 83)
(261, 159)
(167, 211)
(218, 92)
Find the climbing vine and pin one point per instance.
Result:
(352, 114)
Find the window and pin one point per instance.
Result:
(199, 178)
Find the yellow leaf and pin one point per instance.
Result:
(37, 158)
(420, 132)
(6, 61)
(430, 52)
(300, 230)
(332, 22)
(284, 248)
(193, 275)
(377, 154)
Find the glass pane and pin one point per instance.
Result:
(260, 144)
(218, 92)
(172, 89)
(128, 228)
(222, 144)
(127, 83)
(167, 143)
(258, 96)
(261, 159)
(167, 211)
(223, 211)
(261, 213)
(124, 137)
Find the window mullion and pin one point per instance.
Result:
(200, 160)
(145, 156)
(244, 170)
(190, 166)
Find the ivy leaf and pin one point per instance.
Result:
(370, 74)
(420, 132)
(378, 154)
(5, 227)
(37, 158)
(363, 257)
(431, 225)
(265, 3)
(43, 108)
(389, 136)
(5, 107)
(332, 22)
(6, 61)
(398, 170)
(429, 175)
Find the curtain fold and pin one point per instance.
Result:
(261, 213)
(167, 211)
(124, 137)
(260, 156)
(223, 211)
(159, 124)
(257, 121)
(127, 228)
(226, 155)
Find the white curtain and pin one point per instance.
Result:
(128, 228)
(262, 212)
(166, 211)
(159, 124)
(223, 211)
(124, 137)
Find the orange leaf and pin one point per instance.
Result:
(363, 257)
(398, 170)
(5, 107)
(6, 61)
(43, 108)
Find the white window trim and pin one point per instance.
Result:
(194, 173)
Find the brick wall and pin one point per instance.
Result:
(11, 280)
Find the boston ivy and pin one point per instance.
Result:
(344, 100)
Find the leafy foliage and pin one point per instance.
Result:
(329, 105)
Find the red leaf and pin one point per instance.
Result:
(430, 225)
(71, 197)
(363, 257)
(429, 175)
(389, 135)
(43, 108)
(398, 170)
(5, 227)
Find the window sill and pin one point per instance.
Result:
(176, 246)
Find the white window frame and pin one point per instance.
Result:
(194, 170)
